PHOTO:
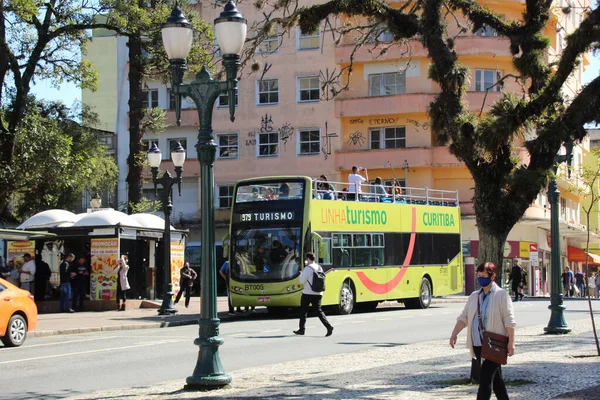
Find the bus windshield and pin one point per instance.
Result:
(268, 254)
(265, 191)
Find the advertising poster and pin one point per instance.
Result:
(177, 254)
(103, 281)
(18, 248)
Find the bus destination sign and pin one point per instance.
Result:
(266, 216)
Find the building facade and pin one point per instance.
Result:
(284, 126)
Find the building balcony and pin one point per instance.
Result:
(465, 46)
(403, 104)
(416, 157)
(189, 117)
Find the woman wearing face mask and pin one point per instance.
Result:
(498, 317)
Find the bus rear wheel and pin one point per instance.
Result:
(346, 303)
(424, 299)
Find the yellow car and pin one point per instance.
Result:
(18, 314)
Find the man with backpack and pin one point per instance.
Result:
(313, 279)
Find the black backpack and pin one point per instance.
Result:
(318, 281)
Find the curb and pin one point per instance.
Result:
(153, 325)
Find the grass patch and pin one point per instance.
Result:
(469, 382)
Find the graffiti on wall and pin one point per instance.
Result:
(326, 142)
(285, 132)
(356, 139)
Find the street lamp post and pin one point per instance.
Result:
(230, 31)
(167, 182)
(557, 323)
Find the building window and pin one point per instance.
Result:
(486, 79)
(388, 138)
(172, 145)
(380, 34)
(225, 196)
(268, 144)
(228, 146)
(309, 41)
(387, 84)
(268, 91)
(224, 99)
(309, 141)
(270, 44)
(563, 209)
(171, 99)
(486, 31)
(308, 89)
(150, 98)
(146, 144)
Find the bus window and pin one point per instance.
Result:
(377, 250)
(326, 256)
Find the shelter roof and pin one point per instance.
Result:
(50, 219)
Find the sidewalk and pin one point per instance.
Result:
(544, 367)
(146, 318)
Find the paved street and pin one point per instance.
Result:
(69, 365)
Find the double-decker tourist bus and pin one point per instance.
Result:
(377, 247)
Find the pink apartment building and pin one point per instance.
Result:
(284, 126)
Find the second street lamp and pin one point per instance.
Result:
(167, 182)
(557, 323)
(230, 31)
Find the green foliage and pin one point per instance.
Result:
(145, 206)
(57, 160)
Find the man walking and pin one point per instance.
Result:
(597, 279)
(579, 279)
(310, 296)
(516, 276)
(65, 283)
(42, 278)
(187, 276)
(27, 272)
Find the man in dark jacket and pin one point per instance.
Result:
(187, 276)
(65, 283)
(516, 276)
(42, 277)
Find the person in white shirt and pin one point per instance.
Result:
(310, 297)
(27, 272)
(354, 182)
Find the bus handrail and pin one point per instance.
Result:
(373, 193)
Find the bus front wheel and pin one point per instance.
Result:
(346, 303)
(424, 299)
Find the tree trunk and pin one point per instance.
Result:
(491, 248)
(134, 162)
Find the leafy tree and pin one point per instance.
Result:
(542, 118)
(140, 22)
(56, 159)
(590, 188)
(38, 40)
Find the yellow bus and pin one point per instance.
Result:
(379, 247)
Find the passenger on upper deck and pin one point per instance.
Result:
(397, 188)
(270, 195)
(256, 195)
(284, 190)
(378, 189)
(355, 180)
(325, 189)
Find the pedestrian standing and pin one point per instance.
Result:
(122, 282)
(597, 280)
(516, 277)
(27, 273)
(579, 282)
(42, 278)
(65, 283)
(592, 285)
(311, 297)
(224, 272)
(187, 276)
(497, 316)
(80, 277)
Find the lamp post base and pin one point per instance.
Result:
(209, 372)
(167, 307)
(558, 324)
